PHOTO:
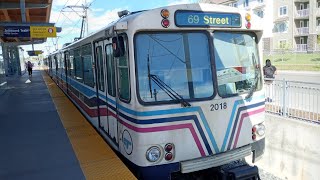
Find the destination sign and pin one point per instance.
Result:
(207, 19)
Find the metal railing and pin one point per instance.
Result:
(302, 13)
(302, 47)
(302, 30)
(293, 99)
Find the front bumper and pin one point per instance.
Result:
(257, 149)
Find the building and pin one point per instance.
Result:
(289, 25)
(262, 8)
(296, 25)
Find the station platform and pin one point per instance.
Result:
(44, 136)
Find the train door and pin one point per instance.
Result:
(50, 65)
(67, 68)
(111, 94)
(122, 80)
(100, 85)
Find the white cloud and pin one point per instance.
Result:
(97, 9)
(71, 22)
(98, 22)
(181, 2)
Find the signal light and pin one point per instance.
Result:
(165, 23)
(254, 137)
(248, 17)
(168, 147)
(165, 13)
(248, 25)
(254, 129)
(168, 156)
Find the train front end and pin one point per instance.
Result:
(200, 101)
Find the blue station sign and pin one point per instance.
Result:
(207, 19)
(16, 31)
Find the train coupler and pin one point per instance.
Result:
(242, 172)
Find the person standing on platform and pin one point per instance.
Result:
(269, 70)
(30, 66)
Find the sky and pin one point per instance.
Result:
(100, 13)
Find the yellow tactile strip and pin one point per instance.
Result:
(97, 160)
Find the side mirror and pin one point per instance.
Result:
(118, 46)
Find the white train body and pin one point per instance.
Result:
(208, 55)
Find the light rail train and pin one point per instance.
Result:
(175, 90)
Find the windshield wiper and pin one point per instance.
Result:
(168, 90)
(256, 78)
(149, 78)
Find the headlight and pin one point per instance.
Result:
(261, 129)
(153, 154)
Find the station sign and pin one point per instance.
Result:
(28, 31)
(15, 31)
(34, 53)
(207, 19)
(42, 31)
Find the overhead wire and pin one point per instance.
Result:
(61, 10)
(67, 18)
(69, 12)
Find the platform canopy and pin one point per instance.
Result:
(19, 18)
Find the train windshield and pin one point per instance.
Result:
(237, 63)
(178, 61)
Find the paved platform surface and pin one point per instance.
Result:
(44, 136)
(97, 159)
(34, 144)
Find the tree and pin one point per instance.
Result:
(284, 47)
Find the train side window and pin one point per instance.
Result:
(61, 60)
(118, 46)
(71, 64)
(100, 68)
(111, 80)
(87, 65)
(67, 61)
(56, 63)
(78, 66)
(123, 69)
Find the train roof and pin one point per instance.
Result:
(142, 18)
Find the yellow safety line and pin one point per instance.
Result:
(97, 160)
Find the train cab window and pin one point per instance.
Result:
(175, 60)
(100, 67)
(237, 63)
(111, 78)
(87, 65)
(78, 66)
(123, 71)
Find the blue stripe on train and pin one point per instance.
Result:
(89, 93)
(237, 119)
